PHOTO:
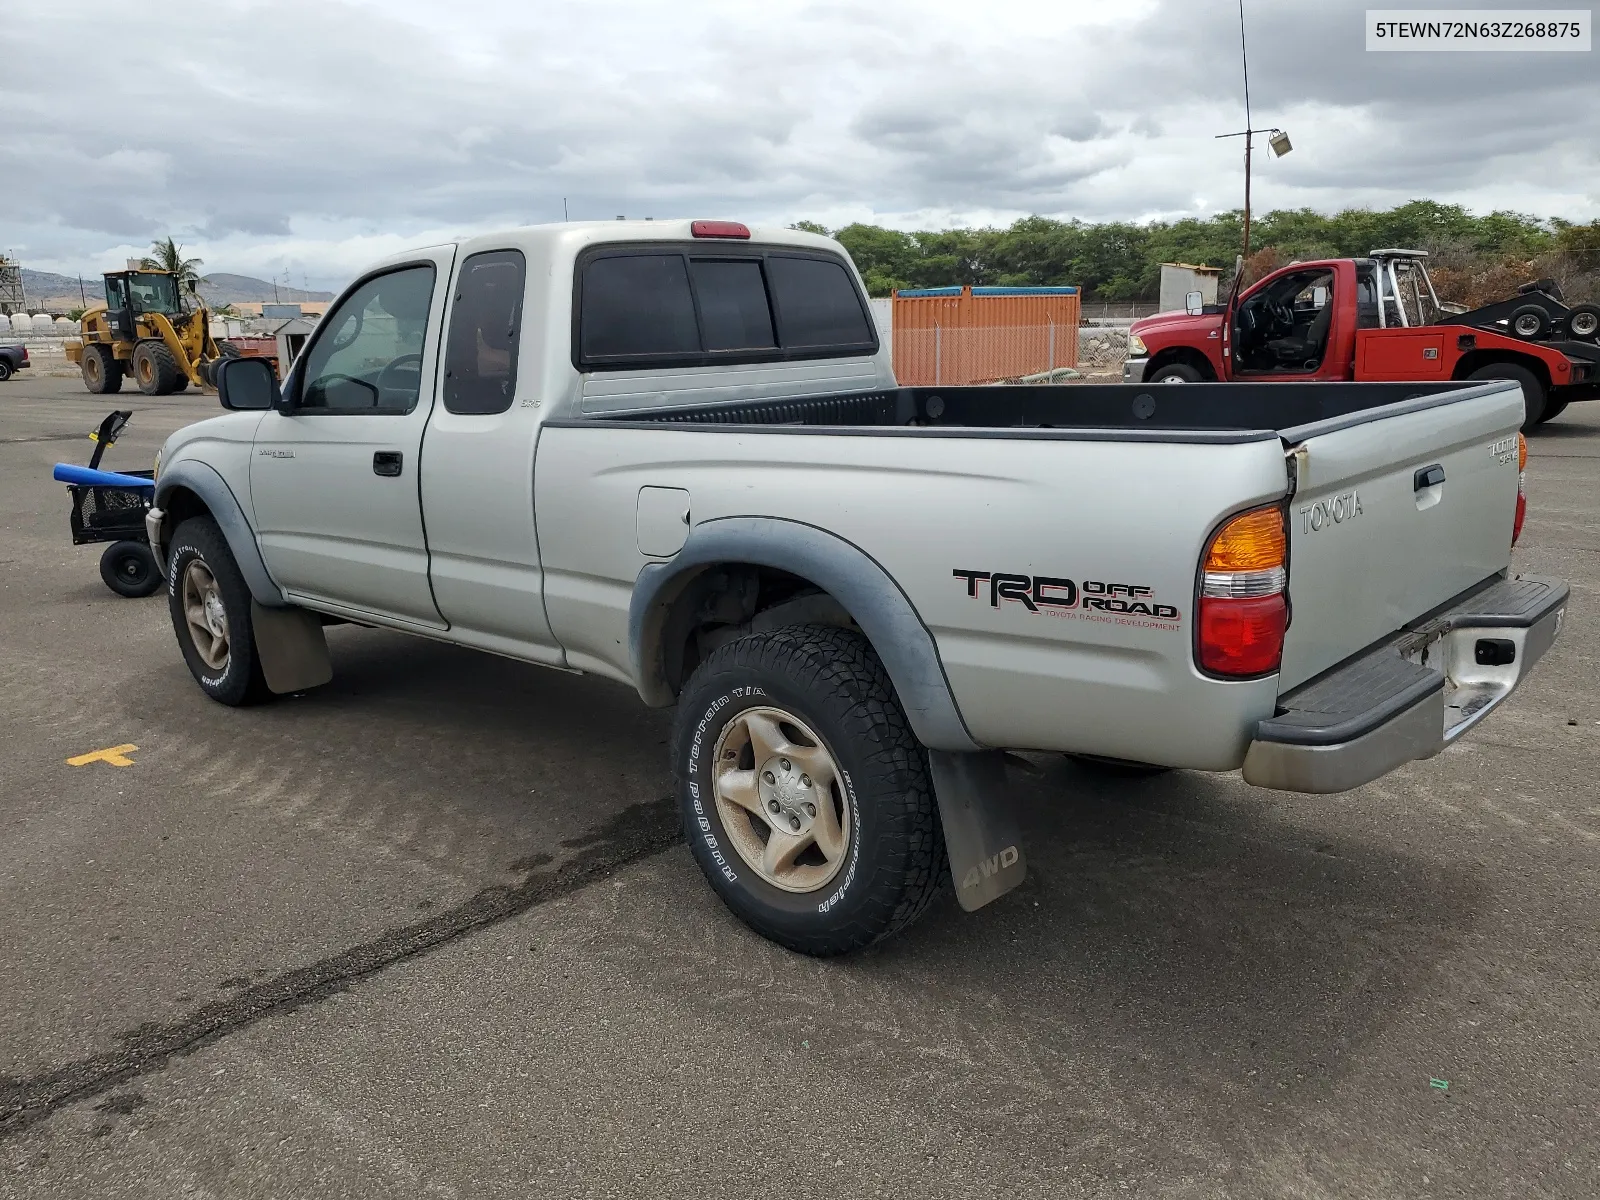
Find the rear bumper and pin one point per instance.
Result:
(1413, 695)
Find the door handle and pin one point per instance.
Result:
(386, 462)
(1428, 477)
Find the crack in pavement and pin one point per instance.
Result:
(637, 832)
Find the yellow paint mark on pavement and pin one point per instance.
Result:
(115, 755)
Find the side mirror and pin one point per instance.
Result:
(1193, 302)
(1319, 297)
(246, 384)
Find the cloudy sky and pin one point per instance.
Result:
(310, 136)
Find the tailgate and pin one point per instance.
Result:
(1396, 511)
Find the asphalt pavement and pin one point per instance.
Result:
(431, 931)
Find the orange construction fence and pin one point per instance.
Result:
(959, 335)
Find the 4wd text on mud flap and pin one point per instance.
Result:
(992, 865)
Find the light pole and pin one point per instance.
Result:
(1279, 141)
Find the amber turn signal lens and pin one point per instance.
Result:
(1522, 453)
(1252, 541)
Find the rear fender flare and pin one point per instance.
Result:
(214, 492)
(841, 569)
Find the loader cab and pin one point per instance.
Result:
(143, 292)
(119, 308)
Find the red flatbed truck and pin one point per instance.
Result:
(1363, 319)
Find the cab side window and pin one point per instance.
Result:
(367, 357)
(480, 363)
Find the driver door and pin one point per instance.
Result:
(333, 476)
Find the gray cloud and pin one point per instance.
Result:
(312, 135)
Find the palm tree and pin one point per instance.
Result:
(168, 256)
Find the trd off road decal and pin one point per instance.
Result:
(1079, 599)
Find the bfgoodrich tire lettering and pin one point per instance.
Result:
(834, 686)
(203, 585)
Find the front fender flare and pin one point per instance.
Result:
(204, 481)
(846, 572)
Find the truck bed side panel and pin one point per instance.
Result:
(973, 530)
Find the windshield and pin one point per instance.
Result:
(154, 292)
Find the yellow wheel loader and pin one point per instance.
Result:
(145, 329)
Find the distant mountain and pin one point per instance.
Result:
(221, 288)
(48, 292)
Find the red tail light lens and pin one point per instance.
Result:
(1242, 614)
(1242, 637)
(719, 229)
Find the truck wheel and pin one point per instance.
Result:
(1583, 322)
(1530, 323)
(1552, 410)
(1175, 373)
(1533, 396)
(181, 384)
(102, 373)
(5, 369)
(129, 569)
(806, 798)
(210, 606)
(155, 370)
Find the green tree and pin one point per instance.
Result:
(168, 256)
(1122, 260)
(886, 258)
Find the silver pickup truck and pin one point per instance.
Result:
(674, 454)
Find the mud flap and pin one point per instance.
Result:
(291, 647)
(980, 825)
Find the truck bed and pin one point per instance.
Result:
(1228, 412)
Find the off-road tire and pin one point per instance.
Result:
(1175, 373)
(1533, 393)
(181, 384)
(155, 370)
(239, 681)
(102, 373)
(129, 569)
(831, 679)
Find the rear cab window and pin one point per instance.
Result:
(664, 304)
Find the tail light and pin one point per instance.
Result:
(718, 229)
(1522, 478)
(1243, 612)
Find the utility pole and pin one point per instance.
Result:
(82, 295)
(1244, 61)
(1279, 141)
